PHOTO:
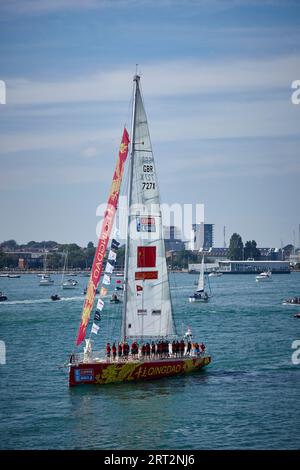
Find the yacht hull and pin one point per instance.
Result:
(193, 299)
(106, 372)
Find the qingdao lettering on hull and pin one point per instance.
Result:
(116, 372)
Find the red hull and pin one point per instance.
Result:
(114, 372)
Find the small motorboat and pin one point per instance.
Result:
(55, 297)
(14, 276)
(46, 280)
(215, 274)
(69, 284)
(2, 297)
(265, 276)
(293, 301)
(297, 315)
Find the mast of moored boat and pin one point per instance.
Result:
(129, 200)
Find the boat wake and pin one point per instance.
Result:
(40, 301)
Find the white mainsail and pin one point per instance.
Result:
(200, 287)
(147, 304)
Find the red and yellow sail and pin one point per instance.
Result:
(104, 237)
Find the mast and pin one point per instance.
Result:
(200, 287)
(64, 268)
(147, 310)
(136, 79)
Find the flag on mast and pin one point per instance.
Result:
(107, 225)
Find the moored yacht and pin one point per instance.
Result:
(264, 276)
(46, 280)
(215, 274)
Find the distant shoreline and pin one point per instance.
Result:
(87, 273)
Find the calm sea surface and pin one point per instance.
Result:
(248, 398)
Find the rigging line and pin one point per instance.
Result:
(112, 328)
(174, 304)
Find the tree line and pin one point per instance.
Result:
(55, 254)
(82, 257)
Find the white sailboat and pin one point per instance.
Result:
(147, 318)
(69, 283)
(200, 295)
(45, 278)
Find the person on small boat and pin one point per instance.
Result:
(2, 297)
(55, 297)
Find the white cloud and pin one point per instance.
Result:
(162, 79)
(90, 152)
(216, 120)
(31, 141)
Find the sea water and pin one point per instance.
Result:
(248, 398)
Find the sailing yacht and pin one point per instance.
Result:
(147, 316)
(200, 295)
(69, 283)
(45, 278)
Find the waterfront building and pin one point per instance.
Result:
(244, 267)
(172, 236)
(202, 236)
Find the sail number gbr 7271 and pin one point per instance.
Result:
(148, 177)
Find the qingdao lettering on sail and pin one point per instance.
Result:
(104, 237)
(148, 347)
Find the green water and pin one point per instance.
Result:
(248, 398)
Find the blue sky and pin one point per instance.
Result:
(216, 80)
